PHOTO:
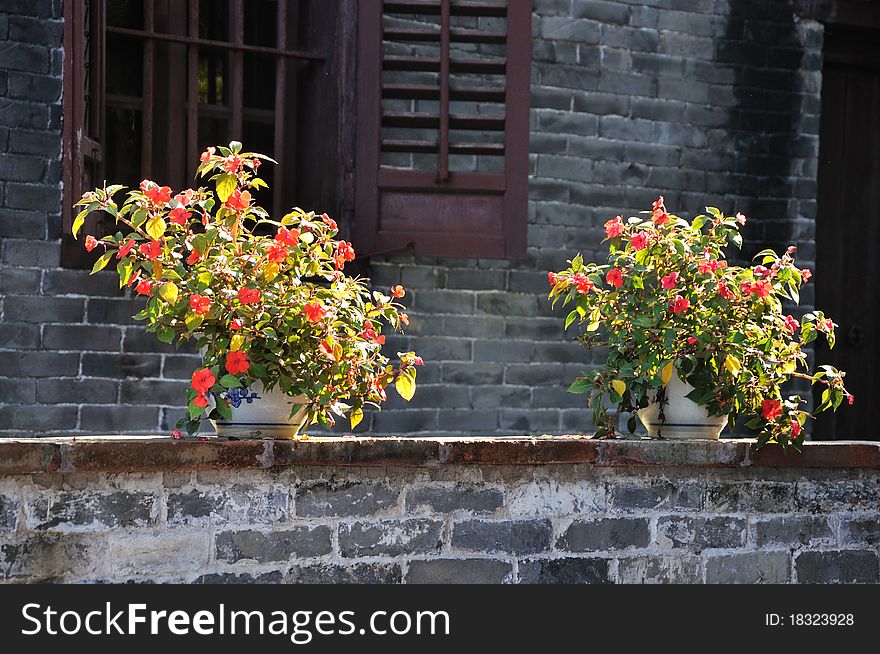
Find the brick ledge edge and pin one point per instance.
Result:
(133, 454)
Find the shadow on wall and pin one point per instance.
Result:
(761, 45)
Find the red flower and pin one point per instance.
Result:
(850, 399)
(145, 287)
(179, 216)
(369, 334)
(200, 304)
(344, 252)
(658, 212)
(232, 164)
(207, 154)
(314, 311)
(237, 363)
(740, 219)
(91, 243)
(762, 287)
(194, 257)
(327, 348)
(151, 250)
(615, 277)
(235, 324)
(185, 197)
(248, 295)
(724, 291)
(669, 280)
(404, 319)
(330, 222)
(639, 241)
(692, 341)
(176, 435)
(125, 249)
(398, 291)
(158, 195)
(551, 278)
(239, 200)
(277, 252)
(826, 325)
(287, 237)
(202, 380)
(791, 324)
(582, 283)
(806, 274)
(796, 428)
(771, 409)
(761, 271)
(201, 400)
(679, 304)
(614, 227)
(418, 361)
(706, 266)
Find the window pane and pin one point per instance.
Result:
(214, 20)
(126, 13)
(125, 66)
(259, 82)
(212, 75)
(122, 151)
(261, 22)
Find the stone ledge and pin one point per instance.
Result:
(150, 454)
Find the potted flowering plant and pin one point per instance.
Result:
(286, 337)
(692, 341)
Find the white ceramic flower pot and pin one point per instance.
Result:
(684, 419)
(257, 413)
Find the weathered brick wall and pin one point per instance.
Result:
(402, 516)
(705, 101)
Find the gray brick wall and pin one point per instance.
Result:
(705, 101)
(449, 523)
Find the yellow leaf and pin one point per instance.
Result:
(156, 227)
(355, 417)
(787, 367)
(270, 271)
(666, 374)
(236, 342)
(619, 386)
(406, 384)
(732, 365)
(168, 292)
(157, 269)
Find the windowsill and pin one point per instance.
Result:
(117, 454)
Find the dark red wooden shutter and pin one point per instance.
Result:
(83, 119)
(443, 127)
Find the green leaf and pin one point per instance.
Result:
(165, 335)
(124, 268)
(101, 263)
(225, 186)
(580, 385)
(571, 318)
(79, 220)
(230, 381)
(406, 384)
(168, 292)
(193, 321)
(156, 227)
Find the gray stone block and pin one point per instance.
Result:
(569, 570)
(322, 499)
(510, 536)
(272, 546)
(459, 571)
(390, 537)
(837, 567)
(605, 534)
(699, 533)
(749, 568)
(357, 573)
(458, 497)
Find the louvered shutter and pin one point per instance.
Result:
(443, 127)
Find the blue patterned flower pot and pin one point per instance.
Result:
(259, 414)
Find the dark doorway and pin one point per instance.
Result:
(848, 223)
